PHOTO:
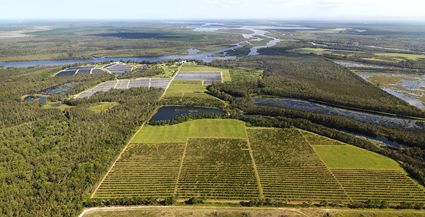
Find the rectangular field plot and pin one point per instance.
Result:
(79, 70)
(126, 84)
(119, 68)
(185, 88)
(370, 184)
(144, 170)
(289, 169)
(159, 82)
(201, 68)
(208, 77)
(139, 83)
(203, 128)
(217, 169)
(123, 84)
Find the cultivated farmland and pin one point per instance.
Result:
(289, 169)
(222, 159)
(205, 128)
(348, 156)
(125, 84)
(201, 68)
(371, 184)
(190, 92)
(79, 70)
(148, 170)
(119, 68)
(218, 169)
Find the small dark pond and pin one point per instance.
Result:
(172, 112)
(58, 89)
(40, 99)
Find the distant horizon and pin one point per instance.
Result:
(330, 10)
(312, 20)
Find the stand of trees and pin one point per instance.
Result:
(50, 158)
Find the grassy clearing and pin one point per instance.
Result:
(201, 68)
(218, 169)
(311, 50)
(245, 75)
(348, 156)
(102, 106)
(56, 105)
(196, 211)
(204, 128)
(412, 57)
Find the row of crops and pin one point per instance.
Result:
(147, 170)
(219, 166)
(290, 170)
(389, 185)
(217, 169)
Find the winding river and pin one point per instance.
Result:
(259, 33)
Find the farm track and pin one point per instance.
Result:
(180, 169)
(254, 165)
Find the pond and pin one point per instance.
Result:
(58, 89)
(31, 98)
(172, 112)
(381, 120)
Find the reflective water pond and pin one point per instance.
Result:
(172, 112)
(58, 89)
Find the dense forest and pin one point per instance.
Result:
(315, 78)
(50, 159)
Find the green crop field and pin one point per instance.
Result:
(186, 88)
(205, 128)
(365, 175)
(190, 93)
(348, 156)
(372, 184)
(221, 159)
(289, 169)
(201, 68)
(218, 169)
(148, 170)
